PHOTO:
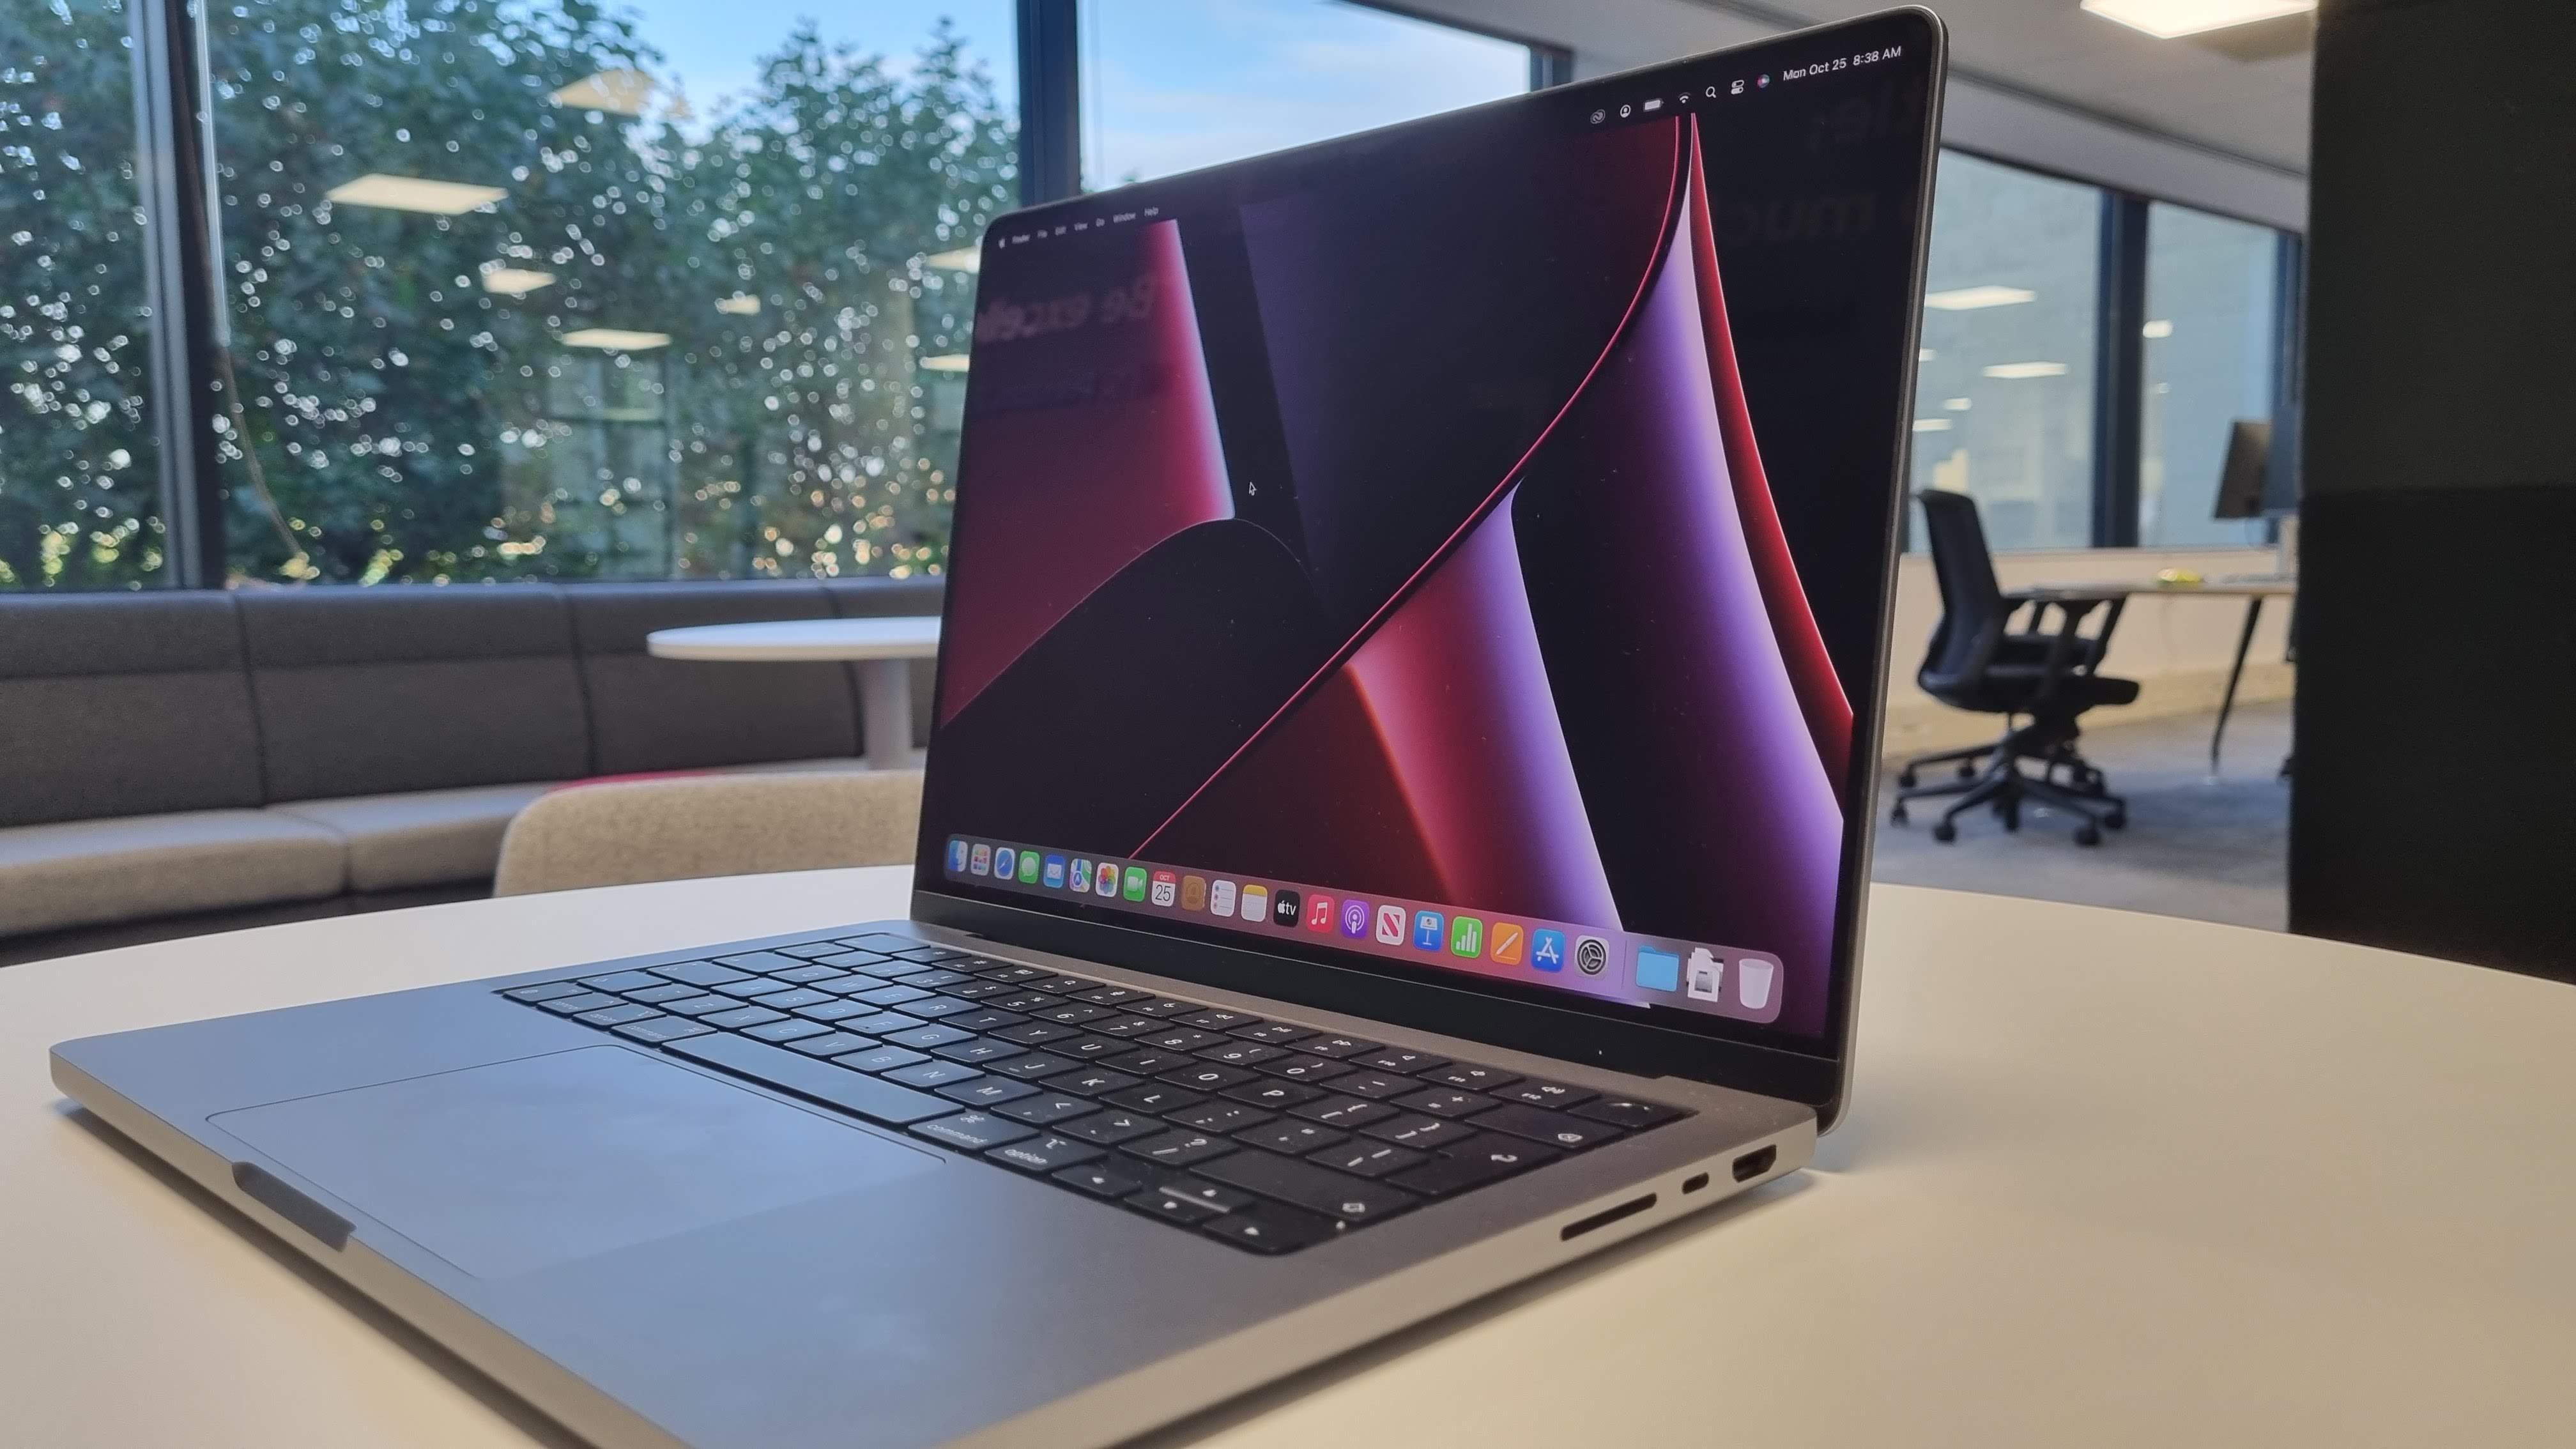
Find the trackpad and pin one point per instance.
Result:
(507, 1168)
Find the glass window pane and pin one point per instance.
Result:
(2210, 329)
(80, 490)
(1170, 85)
(2003, 405)
(536, 288)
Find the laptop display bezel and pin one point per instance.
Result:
(1814, 1070)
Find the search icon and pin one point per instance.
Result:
(1712, 93)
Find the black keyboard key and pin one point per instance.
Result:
(1171, 1207)
(1336, 1195)
(1273, 1033)
(1125, 1025)
(1561, 1130)
(1215, 1019)
(976, 990)
(1376, 1086)
(703, 1004)
(1286, 1134)
(1214, 1194)
(829, 1044)
(923, 1038)
(987, 1092)
(1473, 1163)
(1275, 1096)
(1335, 1046)
(618, 1015)
(1150, 1062)
(832, 1011)
(1545, 1094)
(1063, 985)
(655, 994)
(1445, 1102)
(974, 1131)
(807, 975)
(794, 996)
(1091, 1082)
(1221, 1116)
(811, 949)
(931, 955)
(698, 973)
(751, 986)
(932, 1074)
(880, 1059)
(1422, 1133)
(1111, 1128)
(882, 941)
(1100, 1179)
(578, 1002)
(844, 985)
(1151, 1097)
(1628, 1113)
(1343, 1112)
(1039, 1109)
(1013, 975)
(742, 1016)
(824, 1082)
(985, 1018)
(1180, 1038)
(1029, 1066)
(762, 961)
(1242, 1053)
(1088, 1048)
(661, 1029)
(934, 979)
(1025, 1000)
(620, 982)
(977, 1050)
(1471, 1077)
(1306, 1068)
(1161, 1006)
(1362, 1157)
(939, 1008)
(1269, 1228)
(889, 994)
(1044, 1153)
(1030, 1033)
(783, 1032)
(1178, 1149)
(1396, 1059)
(1208, 1077)
(862, 961)
(1075, 1013)
(1115, 995)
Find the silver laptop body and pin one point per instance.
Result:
(686, 1235)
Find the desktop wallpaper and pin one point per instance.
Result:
(1496, 518)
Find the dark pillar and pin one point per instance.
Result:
(2434, 807)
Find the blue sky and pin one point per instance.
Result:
(1167, 84)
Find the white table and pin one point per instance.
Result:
(882, 648)
(2109, 1180)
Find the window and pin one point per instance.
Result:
(2212, 326)
(2004, 392)
(79, 464)
(532, 288)
(1169, 85)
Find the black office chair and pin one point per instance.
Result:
(1978, 662)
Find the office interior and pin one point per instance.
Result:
(338, 496)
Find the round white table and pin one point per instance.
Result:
(2108, 1180)
(882, 648)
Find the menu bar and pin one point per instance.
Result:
(1612, 964)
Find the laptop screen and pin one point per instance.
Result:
(1461, 549)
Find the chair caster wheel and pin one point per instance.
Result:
(1945, 832)
(2088, 836)
(1896, 816)
(2010, 815)
(1967, 770)
(1905, 778)
(2117, 819)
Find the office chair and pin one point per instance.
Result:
(1978, 662)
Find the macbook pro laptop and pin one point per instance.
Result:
(1397, 817)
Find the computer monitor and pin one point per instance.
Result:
(2242, 480)
(1458, 554)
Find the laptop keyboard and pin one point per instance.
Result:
(1265, 1134)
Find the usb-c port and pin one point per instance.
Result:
(1695, 1182)
(1755, 1163)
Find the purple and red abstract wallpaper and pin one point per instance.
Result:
(1493, 524)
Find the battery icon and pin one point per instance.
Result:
(1656, 104)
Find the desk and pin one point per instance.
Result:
(2109, 1180)
(2252, 590)
(881, 647)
